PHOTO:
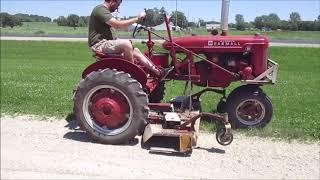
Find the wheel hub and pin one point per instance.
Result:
(110, 109)
(250, 112)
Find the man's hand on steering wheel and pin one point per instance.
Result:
(142, 15)
(137, 29)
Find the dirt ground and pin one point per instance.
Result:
(36, 147)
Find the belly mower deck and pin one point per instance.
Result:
(174, 129)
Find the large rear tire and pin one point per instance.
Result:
(111, 106)
(248, 106)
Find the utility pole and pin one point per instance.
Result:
(176, 14)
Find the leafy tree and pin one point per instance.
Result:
(308, 26)
(285, 25)
(9, 20)
(23, 17)
(73, 20)
(83, 21)
(31, 18)
(181, 19)
(232, 25)
(3, 19)
(163, 11)
(295, 17)
(62, 21)
(249, 25)
(295, 20)
(192, 24)
(47, 19)
(240, 23)
(201, 22)
(273, 21)
(318, 26)
(87, 20)
(14, 22)
(259, 22)
(294, 26)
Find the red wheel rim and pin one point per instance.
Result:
(109, 108)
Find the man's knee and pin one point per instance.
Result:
(126, 45)
(137, 50)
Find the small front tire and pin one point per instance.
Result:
(249, 107)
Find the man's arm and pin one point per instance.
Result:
(113, 22)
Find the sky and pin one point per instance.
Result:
(194, 9)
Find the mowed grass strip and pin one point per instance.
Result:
(43, 28)
(38, 78)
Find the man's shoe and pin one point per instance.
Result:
(165, 72)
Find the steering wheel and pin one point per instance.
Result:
(136, 30)
(138, 27)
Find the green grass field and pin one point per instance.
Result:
(38, 78)
(41, 28)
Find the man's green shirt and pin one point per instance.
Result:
(98, 29)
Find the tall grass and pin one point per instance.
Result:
(38, 78)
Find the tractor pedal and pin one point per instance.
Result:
(165, 72)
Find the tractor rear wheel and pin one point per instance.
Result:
(158, 94)
(111, 106)
(248, 106)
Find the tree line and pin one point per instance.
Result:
(8, 20)
(273, 22)
(72, 20)
(155, 17)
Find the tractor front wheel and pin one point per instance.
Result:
(111, 106)
(249, 107)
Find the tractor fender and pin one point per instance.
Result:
(120, 65)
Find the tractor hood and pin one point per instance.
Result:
(210, 43)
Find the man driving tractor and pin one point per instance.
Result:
(101, 38)
(117, 100)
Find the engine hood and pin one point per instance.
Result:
(209, 43)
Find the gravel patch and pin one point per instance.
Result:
(44, 148)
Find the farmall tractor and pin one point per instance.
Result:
(117, 99)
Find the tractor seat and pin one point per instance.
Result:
(105, 55)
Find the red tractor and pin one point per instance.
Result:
(117, 100)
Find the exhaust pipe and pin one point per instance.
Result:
(224, 17)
